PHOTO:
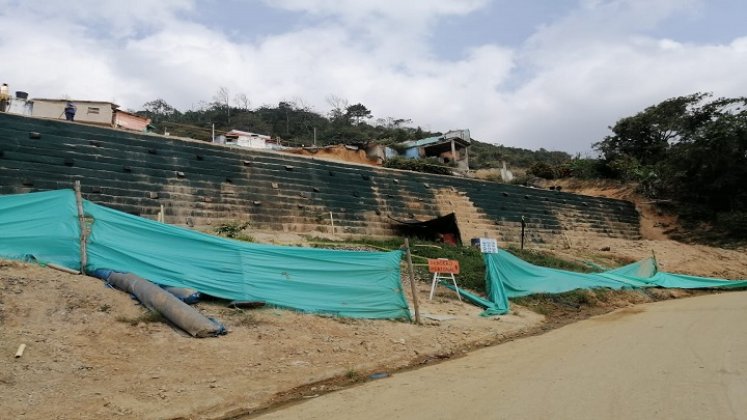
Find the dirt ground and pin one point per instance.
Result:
(338, 153)
(684, 359)
(92, 352)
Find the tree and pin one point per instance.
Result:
(242, 101)
(159, 107)
(221, 101)
(357, 112)
(158, 110)
(689, 149)
(339, 106)
(648, 135)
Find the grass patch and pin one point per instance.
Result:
(547, 259)
(244, 319)
(353, 375)
(148, 317)
(471, 264)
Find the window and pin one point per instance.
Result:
(93, 110)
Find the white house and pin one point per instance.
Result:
(248, 140)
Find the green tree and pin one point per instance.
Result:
(647, 135)
(357, 112)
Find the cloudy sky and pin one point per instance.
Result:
(530, 73)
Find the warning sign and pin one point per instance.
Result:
(442, 265)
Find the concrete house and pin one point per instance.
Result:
(248, 140)
(129, 121)
(450, 147)
(95, 112)
(92, 112)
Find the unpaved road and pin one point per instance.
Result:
(684, 359)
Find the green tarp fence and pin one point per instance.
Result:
(342, 283)
(507, 276)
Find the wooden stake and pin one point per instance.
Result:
(61, 268)
(412, 282)
(332, 220)
(162, 215)
(83, 228)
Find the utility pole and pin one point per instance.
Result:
(213, 132)
(314, 136)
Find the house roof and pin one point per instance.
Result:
(80, 101)
(456, 135)
(245, 134)
(121, 111)
(422, 142)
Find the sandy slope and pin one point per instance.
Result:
(85, 360)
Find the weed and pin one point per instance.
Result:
(245, 319)
(148, 317)
(546, 259)
(231, 229)
(352, 374)
(105, 308)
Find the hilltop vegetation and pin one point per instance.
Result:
(688, 151)
(294, 123)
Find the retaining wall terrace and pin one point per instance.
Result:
(200, 184)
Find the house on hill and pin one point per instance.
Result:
(247, 140)
(450, 147)
(91, 112)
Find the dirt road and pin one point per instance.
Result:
(678, 359)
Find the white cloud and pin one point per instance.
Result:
(577, 75)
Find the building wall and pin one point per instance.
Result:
(90, 112)
(203, 184)
(130, 122)
(251, 142)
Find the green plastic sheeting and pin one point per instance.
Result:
(515, 277)
(342, 283)
(508, 276)
(491, 309)
(682, 281)
(42, 226)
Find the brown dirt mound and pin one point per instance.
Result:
(338, 153)
(655, 222)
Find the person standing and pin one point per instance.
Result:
(70, 111)
(4, 97)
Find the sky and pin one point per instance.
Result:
(551, 74)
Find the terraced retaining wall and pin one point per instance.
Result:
(200, 184)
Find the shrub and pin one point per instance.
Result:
(231, 229)
(430, 165)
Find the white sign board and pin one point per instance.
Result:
(488, 246)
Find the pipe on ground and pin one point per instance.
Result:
(169, 306)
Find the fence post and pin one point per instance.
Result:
(412, 282)
(83, 229)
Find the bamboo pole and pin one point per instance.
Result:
(83, 229)
(61, 268)
(412, 282)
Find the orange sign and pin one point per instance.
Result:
(442, 265)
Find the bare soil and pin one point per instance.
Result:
(684, 359)
(92, 352)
